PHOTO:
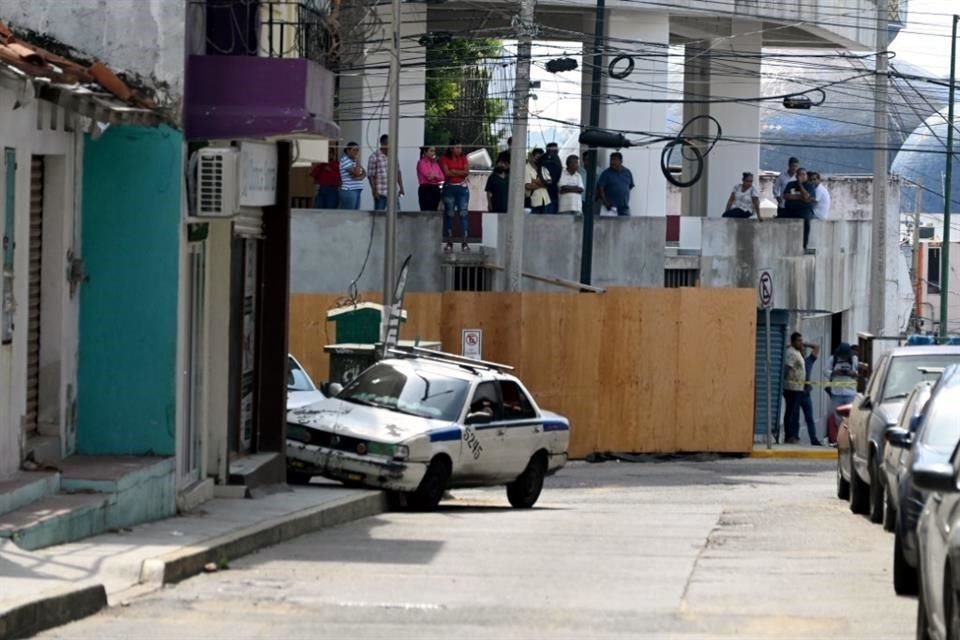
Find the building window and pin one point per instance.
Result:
(933, 270)
(675, 278)
(469, 278)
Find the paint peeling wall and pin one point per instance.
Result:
(141, 37)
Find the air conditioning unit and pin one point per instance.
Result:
(218, 183)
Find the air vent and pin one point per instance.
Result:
(217, 184)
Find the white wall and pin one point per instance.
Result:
(217, 371)
(364, 99)
(19, 131)
(145, 37)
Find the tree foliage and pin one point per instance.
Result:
(457, 92)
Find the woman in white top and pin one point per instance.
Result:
(744, 200)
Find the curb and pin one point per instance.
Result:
(51, 611)
(47, 612)
(795, 454)
(186, 563)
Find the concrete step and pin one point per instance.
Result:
(112, 474)
(25, 487)
(56, 519)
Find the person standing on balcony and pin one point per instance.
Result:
(780, 184)
(570, 187)
(326, 180)
(551, 166)
(351, 177)
(800, 198)
(498, 188)
(744, 200)
(536, 181)
(377, 170)
(504, 157)
(614, 186)
(456, 192)
(821, 210)
(430, 177)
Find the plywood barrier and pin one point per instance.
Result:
(635, 370)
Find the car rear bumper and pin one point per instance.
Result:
(373, 471)
(556, 462)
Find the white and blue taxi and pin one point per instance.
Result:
(423, 422)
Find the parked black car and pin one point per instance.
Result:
(877, 409)
(906, 444)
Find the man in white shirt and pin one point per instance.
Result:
(781, 183)
(821, 210)
(570, 187)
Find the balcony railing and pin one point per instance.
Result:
(269, 29)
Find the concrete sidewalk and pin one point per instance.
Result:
(50, 587)
(801, 451)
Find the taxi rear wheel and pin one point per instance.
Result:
(298, 477)
(524, 492)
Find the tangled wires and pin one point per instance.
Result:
(694, 148)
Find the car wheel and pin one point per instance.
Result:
(923, 624)
(432, 486)
(859, 492)
(525, 490)
(298, 477)
(904, 576)
(876, 493)
(843, 485)
(889, 513)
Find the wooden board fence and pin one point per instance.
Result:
(635, 370)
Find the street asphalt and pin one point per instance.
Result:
(718, 549)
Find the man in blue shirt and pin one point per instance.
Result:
(806, 402)
(614, 185)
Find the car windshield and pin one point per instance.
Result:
(408, 390)
(942, 427)
(297, 378)
(904, 372)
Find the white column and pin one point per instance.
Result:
(733, 76)
(364, 99)
(651, 32)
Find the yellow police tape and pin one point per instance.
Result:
(836, 384)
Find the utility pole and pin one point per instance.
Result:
(947, 189)
(878, 244)
(518, 150)
(917, 308)
(393, 132)
(591, 158)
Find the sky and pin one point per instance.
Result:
(926, 40)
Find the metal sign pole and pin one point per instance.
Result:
(766, 315)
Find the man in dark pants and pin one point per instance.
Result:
(800, 196)
(794, 382)
(806, 402)
(554, 167)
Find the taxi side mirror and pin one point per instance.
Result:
(479, 417)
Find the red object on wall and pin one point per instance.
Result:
(673, 229)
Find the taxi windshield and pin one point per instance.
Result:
(407, 389)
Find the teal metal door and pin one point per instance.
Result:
(778, 342)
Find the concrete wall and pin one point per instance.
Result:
(328, 249)
(128, 309)
(144, 37)
(835, 279)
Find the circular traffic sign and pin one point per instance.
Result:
(765, 290)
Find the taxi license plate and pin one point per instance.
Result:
(355, 477)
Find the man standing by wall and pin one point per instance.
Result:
(821, 210)
(614, 186)
(550, 166)
(377, 170)
(806, 402)
(794, 382)
(351, 177)
(780, 184)
(799, 199)
(570, 188)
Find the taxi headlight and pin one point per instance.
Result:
(401, 452)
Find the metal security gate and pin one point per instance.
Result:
(778, 342)
(34, 272)
(194, 381)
